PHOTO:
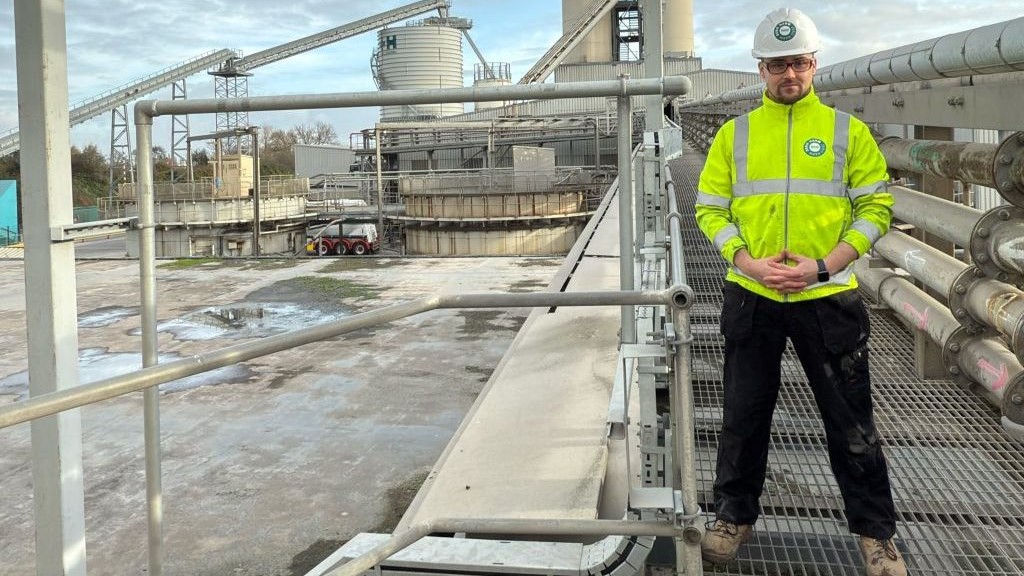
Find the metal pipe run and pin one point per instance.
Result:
(984, 360)
(935, 269)
(52, 403)
(528, 527)
(974, 301)
(668, 86)
(993, 237)
(986, 50)
(948, 220)
(996, 166)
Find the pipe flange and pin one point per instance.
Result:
(957, 299)
(951, 357)
(1013, 400)
(1007, 168)
(981, 255)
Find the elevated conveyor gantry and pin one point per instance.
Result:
(231, 79)
(563, 46)
(111, 99)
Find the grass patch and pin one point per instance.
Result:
(184, 263)
(329, 287)
(523, 286)
(484, 374)
(349, 264)
(268, 264)
(531, 262)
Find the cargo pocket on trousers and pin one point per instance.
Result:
(844, 321)
(737, 311)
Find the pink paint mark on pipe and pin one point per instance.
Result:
(1002, 375)
(921, 317)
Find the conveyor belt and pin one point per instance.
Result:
(958, 479)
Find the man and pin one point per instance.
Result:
(791, 194)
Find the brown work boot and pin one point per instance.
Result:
(881, 558)
(723, 539)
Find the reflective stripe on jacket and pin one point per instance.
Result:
(800, 177)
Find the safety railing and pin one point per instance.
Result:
(152, 374)
(9, 236)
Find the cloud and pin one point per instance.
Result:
(114, 42)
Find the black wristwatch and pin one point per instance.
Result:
(823, 274)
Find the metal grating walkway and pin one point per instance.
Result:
(958, 479)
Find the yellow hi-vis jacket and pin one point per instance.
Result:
(800, 177)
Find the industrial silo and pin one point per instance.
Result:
(420, 55)
(494, 74)
(599, 45)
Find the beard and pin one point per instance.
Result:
(789, 93)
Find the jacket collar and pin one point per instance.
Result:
(806, 103)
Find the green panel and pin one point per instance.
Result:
(8, 212)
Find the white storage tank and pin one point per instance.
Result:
(494, 74)
(677, 28)
(426, 54)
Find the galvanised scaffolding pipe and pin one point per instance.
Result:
(526, 527)
(668, 86)
(984, 360)
(52, 403)
(681, 394)
(999, 166)
(150, 352)
(983, 301)
(993, 237)
(627, 324)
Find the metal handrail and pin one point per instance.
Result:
(54, 402)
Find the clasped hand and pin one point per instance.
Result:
(786, 272)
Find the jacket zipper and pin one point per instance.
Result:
(789, 176)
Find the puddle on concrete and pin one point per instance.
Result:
(106, 316)
(480, 322)
(248, 320)
(96, 364)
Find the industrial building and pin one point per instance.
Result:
(591, 448)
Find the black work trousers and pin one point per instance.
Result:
(830, 337)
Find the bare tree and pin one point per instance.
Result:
(317, 133)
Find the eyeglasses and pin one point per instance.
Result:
(780, 66)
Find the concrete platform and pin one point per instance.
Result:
(272, 465)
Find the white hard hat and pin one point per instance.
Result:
(785, 32)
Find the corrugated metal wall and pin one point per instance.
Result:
(491, 242)
(714, 81)
(982, 197)
(313, 160)
(586, 72)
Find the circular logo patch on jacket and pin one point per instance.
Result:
(785, 30)
(814, 147)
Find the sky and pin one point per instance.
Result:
(115, 42)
